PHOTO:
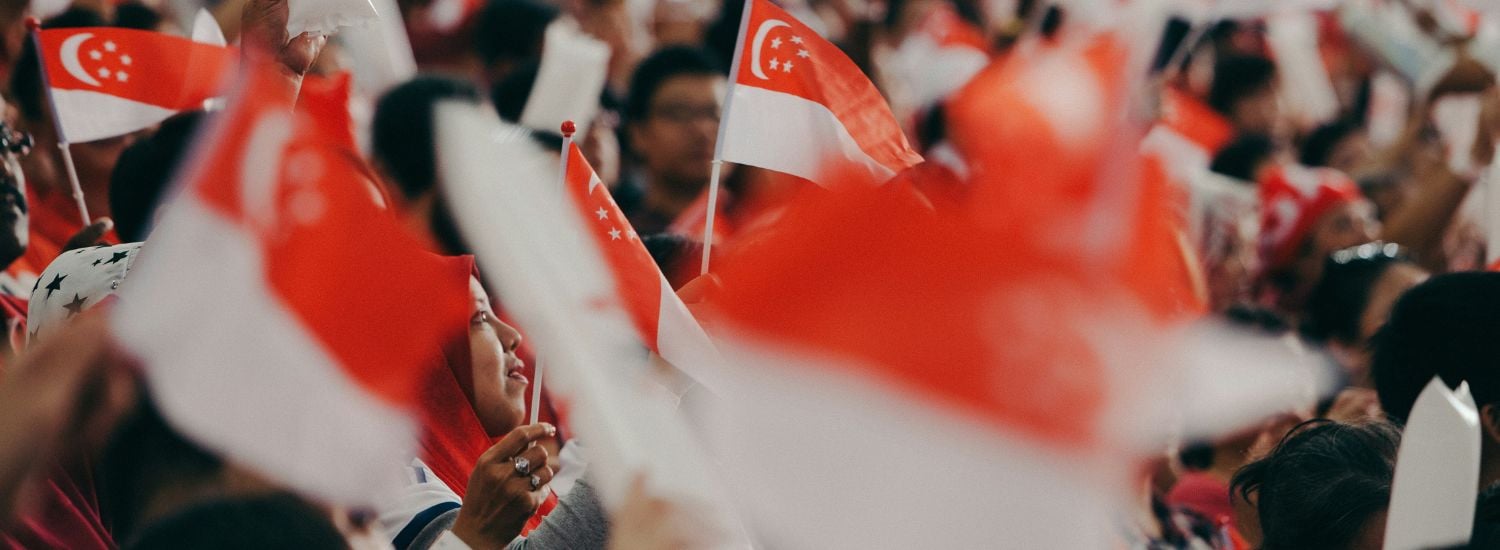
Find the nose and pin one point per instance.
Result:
(509, 336)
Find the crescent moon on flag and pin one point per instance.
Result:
(70, 61)
(760, 40)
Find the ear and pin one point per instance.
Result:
(1489, 421)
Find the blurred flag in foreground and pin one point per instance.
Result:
(280, 314)
(798, 105)
(534, 246)
(660, 317)
(107, 81)
(962, 373)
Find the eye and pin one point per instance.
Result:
(480, 318)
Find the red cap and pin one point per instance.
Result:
(568, 128)
(1293, 198)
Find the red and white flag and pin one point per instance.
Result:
(660, 317)
(281, 316)
(108, 81)
(798, 105)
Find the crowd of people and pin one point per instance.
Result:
(1348, 222)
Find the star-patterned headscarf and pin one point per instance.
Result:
(75, 281)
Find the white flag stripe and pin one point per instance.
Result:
(681, 341)
(802, 138)
(85, 116)
(1437, 470)
(241, 373)
(879, 469)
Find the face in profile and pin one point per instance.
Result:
(14, 211)
(499, 386)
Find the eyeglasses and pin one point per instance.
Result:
(683, 114)
(14, 142)
(1369, 251)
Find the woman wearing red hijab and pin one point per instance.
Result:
(468, 486)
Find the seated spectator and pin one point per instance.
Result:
(1326, 485)
(1352, 301)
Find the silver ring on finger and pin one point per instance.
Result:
(536, 482)
(523, 466)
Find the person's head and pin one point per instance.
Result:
(672, 118)
(498, 385)
(1353, 299)
(1341, 145)
(1326, 485)
(1307, 214)
(136, 15)
(1245, 157)
(148, 470)
(1244, 90)
(275, 520)
(1443, 327)
(509, 33)
(145, 170)
(15, 219)
(404, 153)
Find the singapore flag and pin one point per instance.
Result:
(107, 81)
(798, 105)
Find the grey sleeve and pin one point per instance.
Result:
(434, 529)
(578, 523)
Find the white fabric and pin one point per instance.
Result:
(206, 29)
(681, 341)
(240, 374)
(569, 80)
(326, 16)
(423, 490)
(85, 275)
(85, 116)
(573, 467)
(380, 54)
(786, 133)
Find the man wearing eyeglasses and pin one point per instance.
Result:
(672, 120)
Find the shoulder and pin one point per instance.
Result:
(422, 511)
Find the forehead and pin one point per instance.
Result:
(685, 88)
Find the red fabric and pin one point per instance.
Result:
(327, 99)
(637, 279)
(167, 71)
(817, 70)
(1203, 494)
(1194, 120)
(1292, 199)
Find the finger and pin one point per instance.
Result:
(536, 457)
(522, 484)
(91, 235)
(517, 439)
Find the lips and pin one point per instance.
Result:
(513, 369)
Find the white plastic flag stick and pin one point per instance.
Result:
(713, 178)
(35, 28)
(1437, 472)
(568, 128)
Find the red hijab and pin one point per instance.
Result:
(452, 435)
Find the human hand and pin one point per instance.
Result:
(67, 390)
(93, 235)
(504, 491)
(264, 38)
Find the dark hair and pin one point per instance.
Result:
(1319, 144)
(660, 67)
(145, 457)
(275, 520)
(676, 256)
(402, 130)
(1237, 77)
(1444, 327)
(144, 171)
(26, 77)
(1338, 300)
(1239, 157)
(135, 15)
(511, 95)
(512, 30)
(1197, 456)
(1322, 483)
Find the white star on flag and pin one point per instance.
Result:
(103, 72)
(796, 40)
(632, 234)
(601, 212)
(775, 43)
(775, 64)
(109, 46)
(94, 54)
(121, 76)
(786, 67)
(125, 59)
(803, 54)
(614, 234)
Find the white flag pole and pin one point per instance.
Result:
(62, 139)
(713, 178)
(536, 376)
